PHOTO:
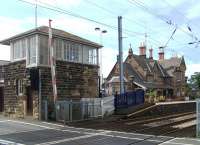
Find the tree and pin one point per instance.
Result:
(151, 95)
(193, 86)
(195, 81)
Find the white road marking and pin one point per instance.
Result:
(176, 143)
(53, 124)
(26, 123)
(87, 132)
(9, 142)
(3, 121)
(68, 139)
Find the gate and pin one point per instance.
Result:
(129, 99)
(69, 111)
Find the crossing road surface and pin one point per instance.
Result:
(42, 133)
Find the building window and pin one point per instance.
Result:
(43, 51)
(19, 49)
(58, 46)
(92, 56)
(31, 59)
(71, 51)
(19, 87)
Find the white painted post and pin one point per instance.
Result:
(52, 63)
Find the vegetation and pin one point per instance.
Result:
(193, 86)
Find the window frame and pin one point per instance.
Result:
(19, 87)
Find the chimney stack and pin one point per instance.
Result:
(142, 49)
(161, 53)
(151, 54)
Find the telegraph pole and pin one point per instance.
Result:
(120, 54)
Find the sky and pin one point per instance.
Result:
(158, 19)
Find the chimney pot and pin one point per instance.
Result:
(161, 53)
(151, 53)
(142, 49)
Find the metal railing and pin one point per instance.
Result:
(70, 111)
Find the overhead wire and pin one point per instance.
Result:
(128, 19)
(59, 10)
(166, 20)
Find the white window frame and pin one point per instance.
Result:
(20, 49)
(19, 87)
(29, 64)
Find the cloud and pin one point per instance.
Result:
(9, 26)
(175, 2)
(193, 12)
(5, 52)
(192, 68)
(109, 57)
(58, 3)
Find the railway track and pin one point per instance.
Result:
(156, 126)
(170, 130)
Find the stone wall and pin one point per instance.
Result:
(14, 104)
(74, 80)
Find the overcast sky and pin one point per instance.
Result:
(157, 18)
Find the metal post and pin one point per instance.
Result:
(65, 111)
(99, 81)
(40, 97)
(46, 110)
(120, 54)
(35, 13)
(71, 111)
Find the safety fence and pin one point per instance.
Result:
(129, 99)
(77, 110)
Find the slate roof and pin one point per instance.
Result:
(166, 68)
(170, 64)
(116, 79)
(138, 79)
(55, 32)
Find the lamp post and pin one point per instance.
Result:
(101, 32)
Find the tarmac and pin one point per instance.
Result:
(29, 132)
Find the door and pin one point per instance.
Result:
(1, 99)
(29, 101)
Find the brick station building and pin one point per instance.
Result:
(27, 77)
(164, 76)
